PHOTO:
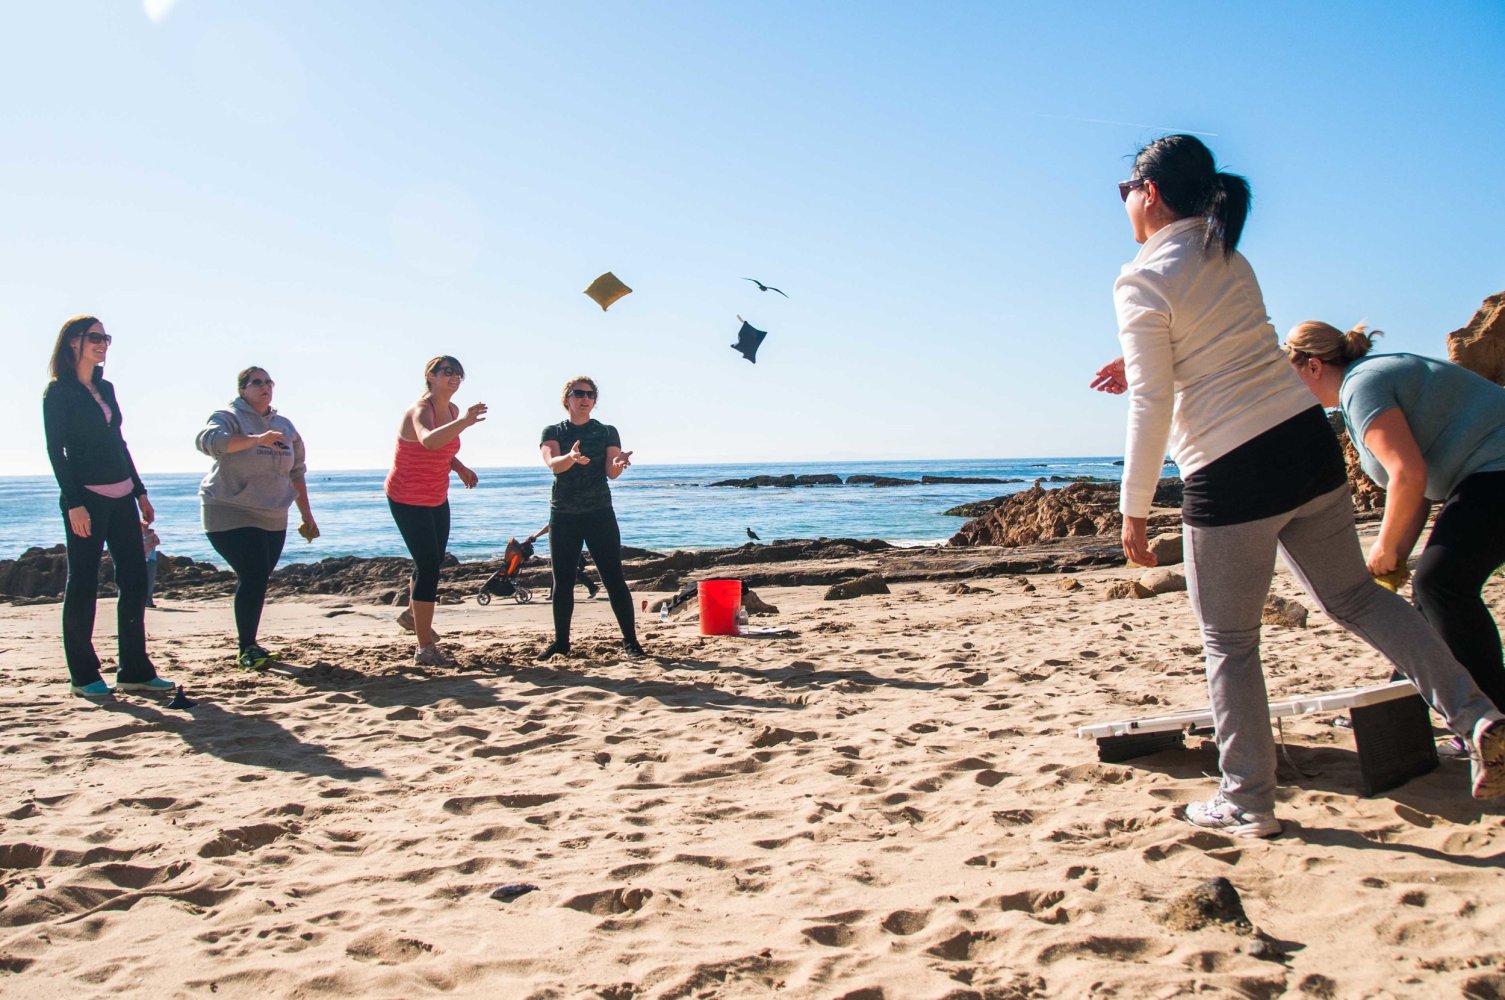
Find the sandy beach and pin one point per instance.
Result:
(891, 803)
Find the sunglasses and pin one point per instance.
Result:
(259, 383)
(96, 338)
(582, 394)
(1124, 187)
(448, 372)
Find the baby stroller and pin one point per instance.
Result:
(503, 583)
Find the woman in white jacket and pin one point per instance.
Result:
(257, 474)
(1262, 470)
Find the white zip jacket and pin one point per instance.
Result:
(1203, 363)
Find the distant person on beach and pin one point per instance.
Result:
(103, 504)
(1262, 471)
(582, 576)
(428, 440)
(150, 542)
(583, 454)
(258, 473)
(1428, 432)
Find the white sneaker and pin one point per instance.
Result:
(1489, 759)
(432, 656)
(405, 622)
(1217, 813)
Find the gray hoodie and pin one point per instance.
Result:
(251, 488)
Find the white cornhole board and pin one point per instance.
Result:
(1391, 728)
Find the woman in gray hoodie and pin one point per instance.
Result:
(258, 473)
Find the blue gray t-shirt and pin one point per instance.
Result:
(1457, 417)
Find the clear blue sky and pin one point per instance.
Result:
(339, 190)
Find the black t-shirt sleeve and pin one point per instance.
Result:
(550, 433)
(613, 439)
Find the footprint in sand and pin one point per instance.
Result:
(830, 935)
(906, 922)
(245, 838)
(387, 949)
(465, 805)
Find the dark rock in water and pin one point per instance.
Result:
(947, 480)
(785, 481)
(1119, 462)
(1215, 901)
(866, 480)
(872, 583)
(1074, 479)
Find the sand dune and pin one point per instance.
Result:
(890, 804)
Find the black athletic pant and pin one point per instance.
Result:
(252, 553)
(1467, 545)
(596, 530)
(425, 531)
(116, 523)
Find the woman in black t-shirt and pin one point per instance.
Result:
(583, 454)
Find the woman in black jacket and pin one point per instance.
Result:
(103, 503)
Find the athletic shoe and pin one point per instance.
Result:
(1453, 748)
(432, 656)
(252, 658)
(94, 689)
(1217, 813)
(406, 621)
(632, 650)
(156, 685)
(1489, 759)
(552, 650)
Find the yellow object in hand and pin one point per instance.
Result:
(308, 531)
(1395, 579)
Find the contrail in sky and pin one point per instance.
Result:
(1106, 121)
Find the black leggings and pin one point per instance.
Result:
(425, 531)
(252, 553)
(596, 530)
(1467, 545)
(116, 523)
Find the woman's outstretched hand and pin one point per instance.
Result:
(474, 414)
(575, 454)
(623, 460)
(1111, 378)
(1136, 542)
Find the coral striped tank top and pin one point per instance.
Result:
(420, 476)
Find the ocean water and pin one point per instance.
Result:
(659, 507)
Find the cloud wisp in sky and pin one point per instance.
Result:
(157, 10)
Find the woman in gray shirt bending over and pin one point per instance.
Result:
(257, 475)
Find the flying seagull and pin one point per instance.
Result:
(753, 535)
(766, 288)
(748, 340)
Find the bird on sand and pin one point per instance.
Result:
(753, 535)
(767, 288)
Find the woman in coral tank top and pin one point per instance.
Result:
(428, 440)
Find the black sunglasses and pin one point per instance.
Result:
(448, 372)
(583, 393)
(257, 383)
(95, 337)
(1124, 187)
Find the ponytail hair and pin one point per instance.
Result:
(1323, 341)
(1189, 182)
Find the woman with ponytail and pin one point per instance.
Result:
(1428, 432)
(1262, 471)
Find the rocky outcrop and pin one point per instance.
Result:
(1038, 514)
(784, 482)
(1167, 494)
(949, 480)
(1368, 496)
(1480, 346)
(871, 583)
(41, 574)
(1120, 590)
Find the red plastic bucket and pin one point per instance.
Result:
(719, 601)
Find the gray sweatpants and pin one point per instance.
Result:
(1228, 575)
